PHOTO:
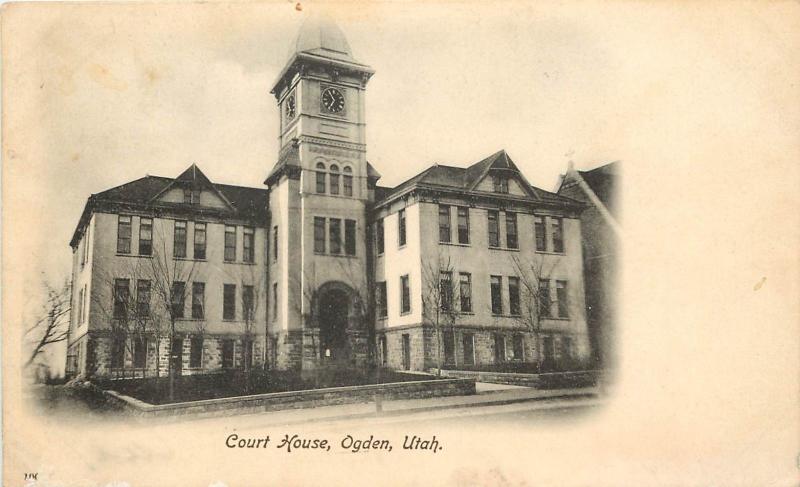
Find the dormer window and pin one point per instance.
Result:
(500, 183)
(191, 196)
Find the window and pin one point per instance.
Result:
(347, 180)
(320, 178)
(449, 347)
(384, 351)
(178, 298)
(85, 307)
(468, 344)
(229, 302)
(274, 301)
(80, 306)
(248, 248)
(518, 349)
(513, 296)
(334, 179)
(499, 348)
(179, 240)
(379, 235)
(199, 241)
(335, 237)
(139, 352)
(405, 295)
(401, 228)
(511, 230)
(319, 234)
(227, 353)
(561, 297)
(497, 295)
(446, 290)
(275, 243)
(500, 183)
(548, 349)
(544, 298)
(198, 300)
(143, 297)
(538, 230)
(196, 352)
(145, 236)
(463, 225)
(124, 235)
(86, 240)
(121, 296)
(191, 196)
(380, 298)
(230, 243)
(558, 234)
(248, 301)
(566, 347)
(350, 237)
(465, 292)
(494, 229)
(444, 223)
(117, 352)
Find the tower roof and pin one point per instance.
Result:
(320, 35)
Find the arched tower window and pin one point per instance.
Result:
(347, 180)
(334, 179)
(320, 178)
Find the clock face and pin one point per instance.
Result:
(290, 106)
(332, 100)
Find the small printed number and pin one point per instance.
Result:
(31, 476)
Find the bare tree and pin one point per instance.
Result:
(439, 299)
(52, 324)
(253, 286)
(535, 297)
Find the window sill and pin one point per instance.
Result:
(555, 318)
(455, 244)
(494, 315)
(550, 253)
(405, 313)
(237, 262)
(505, 249)
(188, 259)
(468, 313)
(120, 254)
(401, 247)
(327, 254)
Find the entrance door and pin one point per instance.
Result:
(406, 352)
(176, 354)
(333, 310)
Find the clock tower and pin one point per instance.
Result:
(319, 192)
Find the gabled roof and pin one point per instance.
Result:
(195, 178)
(244, 203)
(467, 179)
(598, 187)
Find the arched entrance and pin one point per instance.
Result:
(334, 311)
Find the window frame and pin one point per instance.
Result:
(145, 243)
(198, 300)
(562, 298)
(200, 240)
(196, 352)
(333, 175)
(347, 181)
(139, 359)
(121, 239)
(445, 227)
(465, 297)
(493, 228)
(248, 303)
(229, 302)
(350, 237)
(248, 245)
(544, 301)
(321, 172)
(446, 290)
(405, 294)
(380, 236)
(335, 236)
(120, 300)
(178, 299)
(382, 307)
(512, 237)
(230, 231)
(465, 227)
(514, 303)
(557, 234)
(496, 294)
(143, 290)
(319, 235)
(540, 232)
(178, 243)
(402, 238)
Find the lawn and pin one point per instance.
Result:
(236, 383)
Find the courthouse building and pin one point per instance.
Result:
(462, 265)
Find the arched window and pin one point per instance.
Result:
(347, 180)
(320, 178)
(334, 179)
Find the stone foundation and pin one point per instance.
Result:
(423, 346)
(93, 352)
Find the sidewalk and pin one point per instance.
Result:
(488, 395)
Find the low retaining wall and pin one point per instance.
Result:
(550, 380)
(294, 400)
